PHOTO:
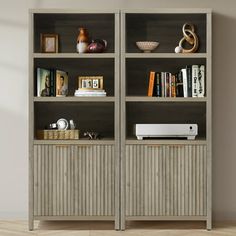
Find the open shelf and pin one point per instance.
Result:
(99, 26)
(88, 116)
(164, 28)
(81, 67)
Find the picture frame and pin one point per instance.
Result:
(49, 43)
(90, 82)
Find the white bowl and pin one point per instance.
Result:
(147, 46)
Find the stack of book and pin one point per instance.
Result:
(90, 93)
(188, 82)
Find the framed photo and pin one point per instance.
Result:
(61, 83)
(49, 43)
(43, 82)
(91, 82)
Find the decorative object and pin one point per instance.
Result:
(49, 43)
(97, 46)
(147, 46)
(190, 37)
(92, 135)
(57, 134)
(72, 124)
(62, 124)
(90, 86)
(91, 82)
(82, 41)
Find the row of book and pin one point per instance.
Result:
(188, 82)
(51, 82)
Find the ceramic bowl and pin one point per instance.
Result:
(147, 46)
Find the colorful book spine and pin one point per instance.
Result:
(185, 82)
(201, 81)
(179, 85)
(167, 85)
(173, 86)
(151, 83)
(195, 72)
(189, 80)
(158, 84)
(163, 84)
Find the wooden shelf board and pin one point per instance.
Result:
(165, 55)
(163, 99)
(74, 99)
(76, 142)
(166, 141)
(74, 55)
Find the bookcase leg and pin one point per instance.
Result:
(31, 224)
(209, 224)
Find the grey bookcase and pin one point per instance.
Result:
(164, 179)
(118, 177)
(75, 179)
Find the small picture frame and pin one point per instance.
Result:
(49, 43)
(91, 82)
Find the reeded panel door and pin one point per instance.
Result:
(74, 180)
(166, 180)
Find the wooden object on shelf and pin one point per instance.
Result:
(57, 134)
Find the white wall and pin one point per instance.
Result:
(14, 97)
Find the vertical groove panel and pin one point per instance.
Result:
(166, 180)
(74, 180)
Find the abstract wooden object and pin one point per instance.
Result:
(190, 37)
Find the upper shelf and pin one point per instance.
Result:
(74, 55)
(163, 28)
(66, 25)
(165, 55)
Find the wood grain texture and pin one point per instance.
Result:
(166, 180)
(74, 180)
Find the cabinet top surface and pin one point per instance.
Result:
(116, 11)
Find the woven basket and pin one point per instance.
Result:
(57, 134)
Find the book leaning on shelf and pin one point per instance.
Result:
(51, 82)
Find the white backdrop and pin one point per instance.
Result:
(14, 97)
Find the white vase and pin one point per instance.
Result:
(82, 47)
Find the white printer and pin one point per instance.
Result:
(188, 131)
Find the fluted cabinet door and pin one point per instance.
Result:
(74, 180)
(166, 180)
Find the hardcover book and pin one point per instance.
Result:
(189, 80)
(185, 82)
(195, 71)
(151, 83)
(158, 84)
(201, 81)
(43, 82)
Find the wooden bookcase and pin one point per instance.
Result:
(75, 179)
(118, 177)
(164, 179)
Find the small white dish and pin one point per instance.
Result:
(62, 124)
(147, 46)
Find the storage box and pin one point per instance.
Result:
(57, 134)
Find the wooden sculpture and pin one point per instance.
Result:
(190, 37)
